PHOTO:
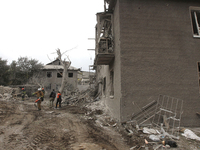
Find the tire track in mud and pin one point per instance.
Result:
(45, 131)
(100, 136)
(38, 139)
(53, 129)
(50, 139)
(12, 125)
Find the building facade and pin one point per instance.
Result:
(53, 74)
(145, 48)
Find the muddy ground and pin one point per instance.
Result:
(23, 127)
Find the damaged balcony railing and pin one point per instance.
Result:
(104, 39)
(168, 113)
(164, 114)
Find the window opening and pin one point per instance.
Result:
(49, 74)
(104, 85)
(198, 74)
(58, 87)
(195, 18)
(48, 87)
(59, 75)
(112, 82)
(70, 75)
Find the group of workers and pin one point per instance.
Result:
(40, 97)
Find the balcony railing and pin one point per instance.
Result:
(104, 39)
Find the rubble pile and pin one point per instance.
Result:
(79, 98)
(8, 92)
(160, 130)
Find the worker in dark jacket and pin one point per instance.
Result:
(52, 97)
(23, 94)
(58, 100)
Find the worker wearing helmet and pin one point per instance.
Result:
(39, 94)
(58, 100)
(23, 94)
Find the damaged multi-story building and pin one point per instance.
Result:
(145, 48)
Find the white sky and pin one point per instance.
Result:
(36, 28)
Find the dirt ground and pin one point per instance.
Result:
(23, 127)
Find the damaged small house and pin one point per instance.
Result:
(147, 48)
(53, 72)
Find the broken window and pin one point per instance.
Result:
(195, 18)
(70, 75)
(49, 74)
(59, 75)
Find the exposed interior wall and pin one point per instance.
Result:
(158, 55)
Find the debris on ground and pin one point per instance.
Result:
(155, 127)
(189, 134)
(7, 92)
(79, 98)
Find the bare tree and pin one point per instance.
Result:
(66, 65)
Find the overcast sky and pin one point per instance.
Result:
(36, 28)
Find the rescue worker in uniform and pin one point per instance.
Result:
(52, 97)
(58, 100)
(23, 94)
(39, 94)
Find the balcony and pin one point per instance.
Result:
(105, 52)
(104, 39)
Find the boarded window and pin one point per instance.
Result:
(195, 18)
(70, 75)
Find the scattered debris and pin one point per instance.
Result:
(79, 98)
(156, 126)
(170, 143)
(155, 138)
(150, 131)
(190, 135)
(168, 115)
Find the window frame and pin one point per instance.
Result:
(59, 74)
(198, 71)
(49, 72)
(69, 75)
(195, 22)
